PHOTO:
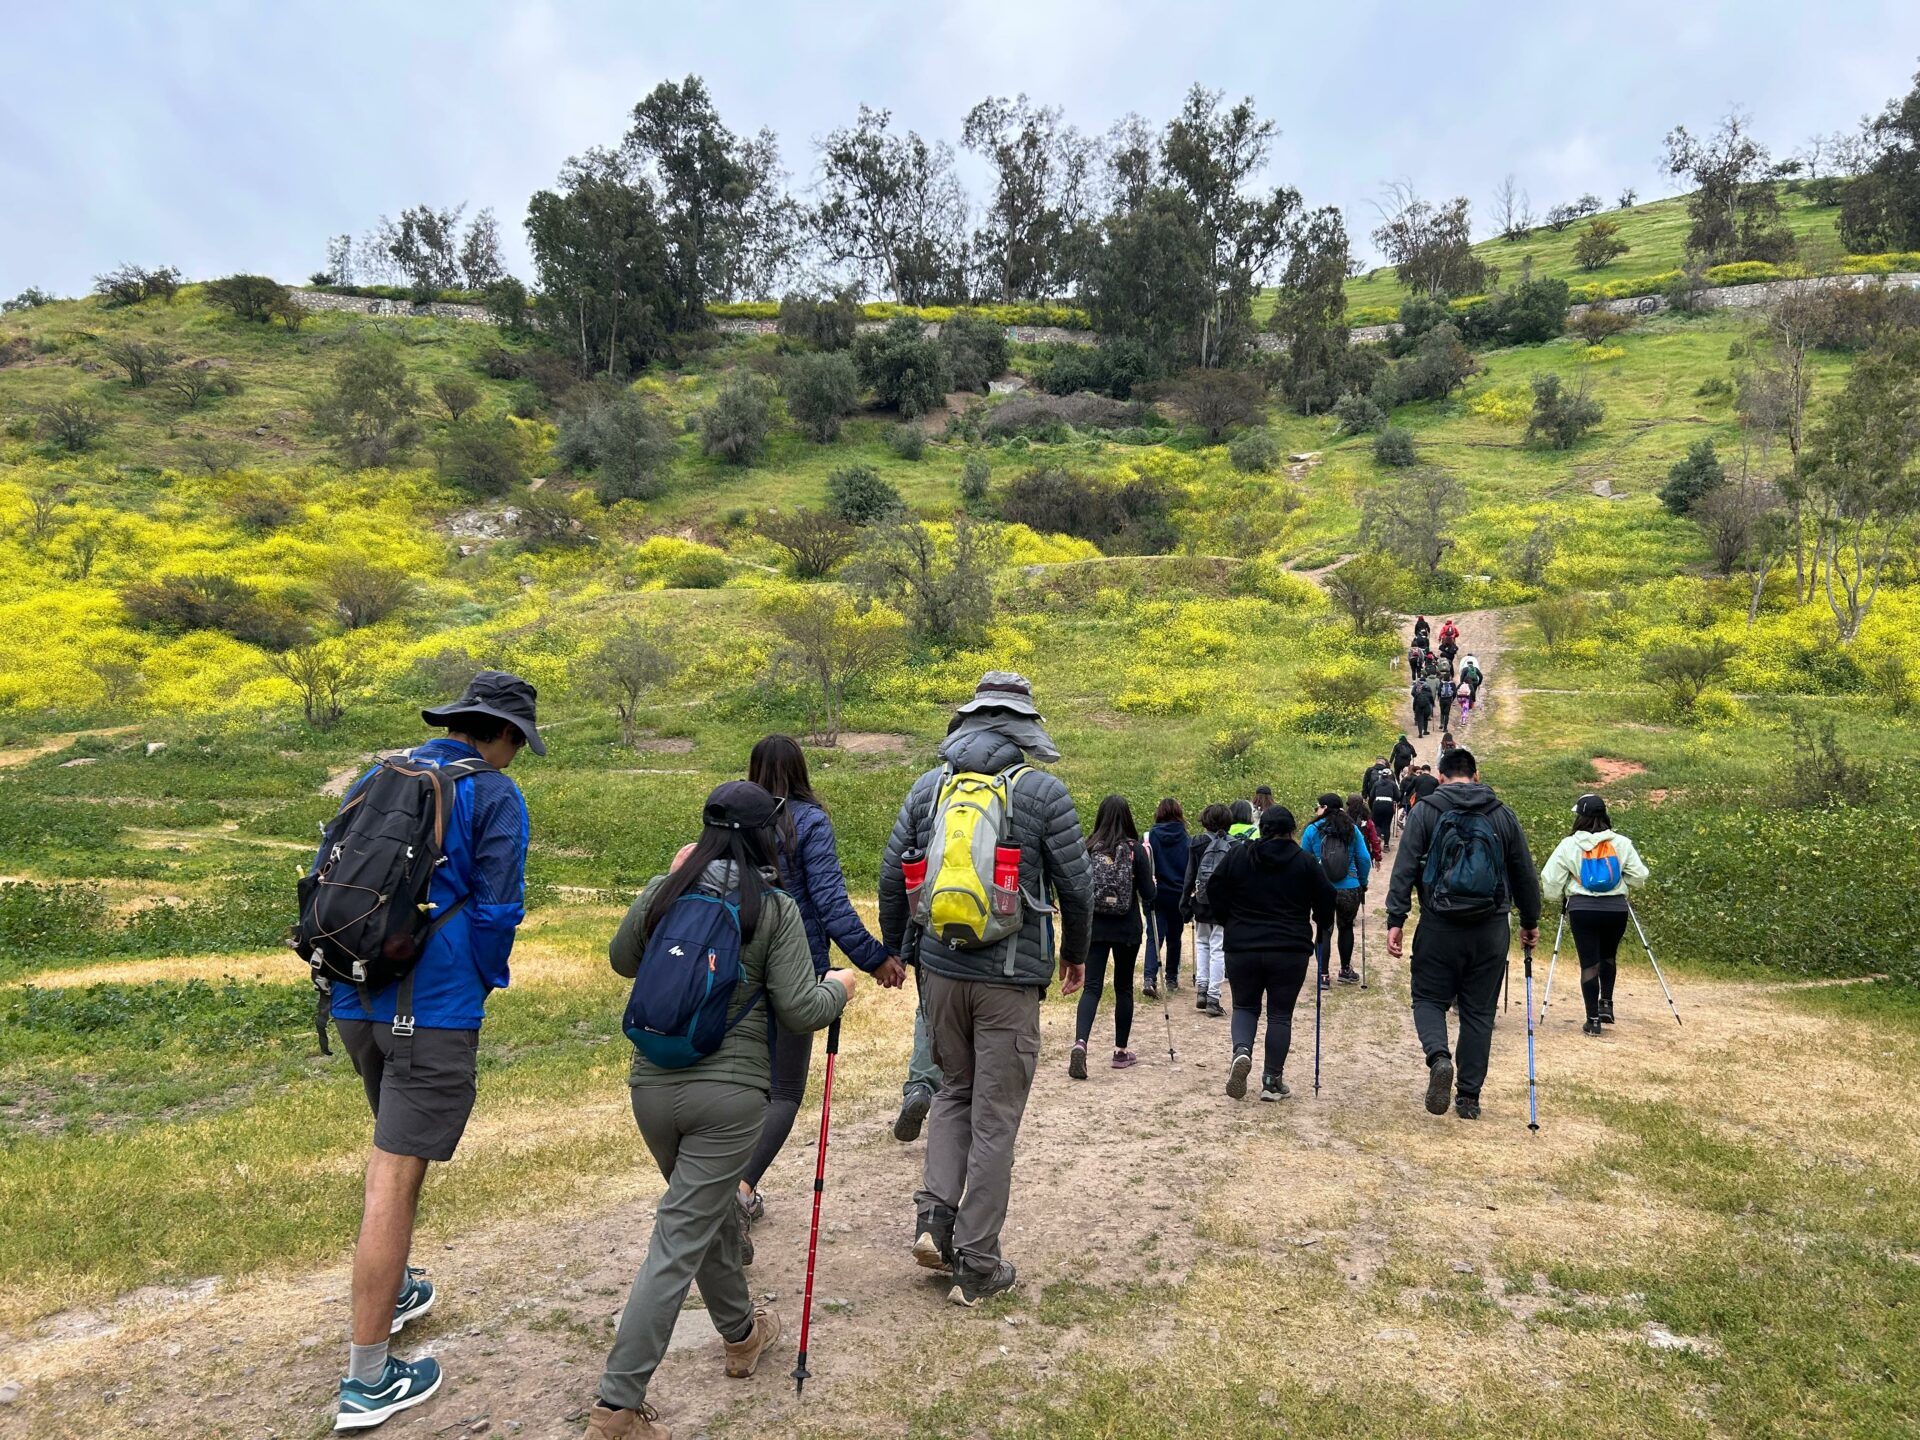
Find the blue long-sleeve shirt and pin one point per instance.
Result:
(1359, 863)
(486, 850)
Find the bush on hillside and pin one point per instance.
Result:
(1692, 478)
(858, 495)
(1821, 775)
(815, 541)
(1599, 245)
(72, 424)
(456, 394)
(1254, 452)
(1219, 400)
(545, 519)
(908, 441)
(1437, 366)
(364, 594)
(130, 284)
(250, 297)
(1682, 671)
(975, 351)
(1048, 417)
(188, 385)
(368, 409)
(975, 477)
(1561, 619)
(1133, 516)
(1561, 416)
(1394, 446)
(141, 359)
(1596, 325)
(1112, 367)
(179, 604)
(824, 322)
(821, 390)
(627, 443)
(485, 458)
(1357, 415)
(734, 428)
(905, 370)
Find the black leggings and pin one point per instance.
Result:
(1172, 928)
(1346, 905)
(1275, 978)
(792, 1056)
(1123, 953)
(1597, 935)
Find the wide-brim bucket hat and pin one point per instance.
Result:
(497, 693)
(1002, 690)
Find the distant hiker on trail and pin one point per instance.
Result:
(1358, 811)
(1372, 773)
(1383, 799)
(1271, 897)
(1445, 667)
(1401, 755)
(974, 916)
(1449, 692)
(1466, 855)
(1171, 846)
(1464, 698)
(1210, 848)
(1262, 798)
(1449, 636)
(702, 1111)
(1342, 854)
(1422, 699)
(1447, 744)
(1421, 630)
(413, 1034)
(1124, 893)
(809, 865)
(1429, 666)
(1591, 871)
(1245, 824)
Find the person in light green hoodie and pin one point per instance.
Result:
(701, 1122)
(1592, 870)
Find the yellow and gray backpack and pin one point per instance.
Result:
(971, 897)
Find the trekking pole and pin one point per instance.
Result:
(1533, 1093)
(1363, 940)
(800, 1372)
(1506, 985)
(1316, 1025)
(1655, 963)
(1553, 960)
(1166, 1011)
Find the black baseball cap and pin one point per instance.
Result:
(497, 693)
(741, 805)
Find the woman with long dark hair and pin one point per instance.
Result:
(809, 864)
(1591, 871)
(702, 1121)
(1357, 812)
(1170, 844)
(1330, 834)
(1123, 892)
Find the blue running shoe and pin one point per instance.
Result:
(404, 1384)
(416, 1299)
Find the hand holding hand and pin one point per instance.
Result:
(890, 974)
(1072, 977)
(1393, 940)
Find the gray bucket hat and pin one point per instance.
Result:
(1002, 690)
(499, 694)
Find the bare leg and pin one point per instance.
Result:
(386, 1235)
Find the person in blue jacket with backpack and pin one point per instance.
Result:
(809, 865)
(415, 1041)
(1170, 844)
(1330, 833)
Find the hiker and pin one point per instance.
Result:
(1245, 825)
(1446, 666)
(1384, 798)
(1216, 838)
(1372, 773)
(1169, 843)
(1449, 692)
(1262, 798)
(1591, 871)
(1270, 896)
(1464, 698)
(1331, 839)
(981, 943)
(1422, 707)
(1421, 630)
(1416, 656)
(1429, 666)
(1401, 754)
(1447, 744)
(703, 1115)
(923, 1076)
(414, 1040)
(1467, 856)
(1359, 812)
(809, 865)
(1449, 635)
(1421, 785)
(1121, 872)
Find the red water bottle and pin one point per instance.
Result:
(1006, 880)
(913, 870)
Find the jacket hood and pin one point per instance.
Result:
(1274, 850)
(990, 743)
(1587, 839)
(1168, 830)
(1464, 795)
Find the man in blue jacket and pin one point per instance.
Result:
(420, 1079)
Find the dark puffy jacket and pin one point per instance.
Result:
(1270, 894)
(1171, 844)
(811, 874)
(1053, 861)
(1402, 755)
(1522, 889)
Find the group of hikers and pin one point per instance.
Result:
(989, 893)
(1437, 688)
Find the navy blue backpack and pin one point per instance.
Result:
(677, 1010)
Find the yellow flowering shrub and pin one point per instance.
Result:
(1502, 404)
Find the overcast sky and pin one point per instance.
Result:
(225, 136)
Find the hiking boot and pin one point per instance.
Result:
(1467, 1107)
(933, 1238)
(913, 1113)
(1593, 1026)
(1349, 975)
(1173, 986)
(745, 1232)
(1149, 991)
(972, 1285)
(416, 1299)
(752, 1207)
(401, 1386)
(1606, 1012)
(1200, 1001)
(1439, 1085)
(1272, 1087)
(1214, 1012)
(1326, 981)
(743, 1356)
(1077, 1060)
(641, 1424)
(1125, 1059)
(1237, 1073)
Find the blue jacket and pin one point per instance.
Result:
(1170, 844)
(1358, 867)
(486, 849)
(811, 874)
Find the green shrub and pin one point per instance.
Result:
(1394, 446)
(908, 441)
(485, 458)
(1357, 415)
(1255, 452)
(735, 426)
(826, 323)
(857, 495)
(905, 370)
(249, 297)
(624, 439)
(975, 477)
(975, 351)
(821, 390)
(1561, 417)
(1692, 477)
(698, 570)
(179, 604)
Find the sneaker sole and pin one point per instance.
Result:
(1237, 1077)
(913, 1115)
(1077, 1065)
(1439, 1087)
(400, 1322)
(367, 1419)
(958, 1296)
(926, 1253)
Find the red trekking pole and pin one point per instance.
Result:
(800, 1372)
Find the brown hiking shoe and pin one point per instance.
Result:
(744, 1357)
(641, 1424)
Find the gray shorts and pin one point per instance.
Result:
(421, 1086)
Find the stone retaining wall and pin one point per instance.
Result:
(371, 305)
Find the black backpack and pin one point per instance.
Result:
(1465, 873)
(1112, 874)
(364, 915)
(1336, 856)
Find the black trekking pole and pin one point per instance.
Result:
(1317, 974)
(1153, 945)
(1553, 960)
(800, 1372)
(1363, 939)
(1533, 1093)
(1506, 985)
(1655, 963)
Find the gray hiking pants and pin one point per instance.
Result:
(920, 1069)
(701, 1133)
(986, 1041)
